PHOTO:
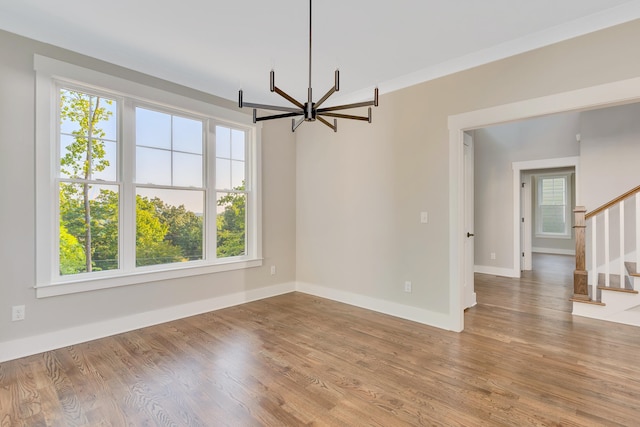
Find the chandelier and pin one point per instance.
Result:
(310, 111)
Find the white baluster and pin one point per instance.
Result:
(622, 251)
(637, 231)
(607, 267)
(594, 258)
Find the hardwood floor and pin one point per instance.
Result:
(300, 360)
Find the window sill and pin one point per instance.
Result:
(93, 284)
(552, 236)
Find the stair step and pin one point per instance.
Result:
(587, 301)
(614, 283)
(611, 288)
(590, 299)
(632, 269)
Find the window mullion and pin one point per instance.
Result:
(210, 237)
(254, 204)
(248, 193)
(128, 195)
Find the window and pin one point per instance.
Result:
(553, 206)
(87, 187)
(231, 192)
(131, 190)
(170, 188)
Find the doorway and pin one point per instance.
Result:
(529, 240)
(597, 96)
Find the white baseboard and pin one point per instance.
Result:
(431, 318)
(496, 271)
(471, 301)
(50, 341)
(22, 347)
(553, 251)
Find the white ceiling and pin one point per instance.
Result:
(219, 46)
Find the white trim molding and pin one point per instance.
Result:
(415, 314)
(65, 337)
(496, 271)
(617, 15)
(554, 251)
(23, 347)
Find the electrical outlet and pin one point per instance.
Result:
(493, 255)
(424, 217)
(407, 286)
(17, 313)
(273, 270)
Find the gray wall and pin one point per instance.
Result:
(341, 210)
(610, 150)
(496, 148)
(360, 190)
(17, 185)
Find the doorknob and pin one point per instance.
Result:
(470, 234)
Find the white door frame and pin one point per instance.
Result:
(518, 168)
(469, 251)
(527, 218)
(620, 92)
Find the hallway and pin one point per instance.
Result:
(546, 288)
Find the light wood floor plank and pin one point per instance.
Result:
(522, 360)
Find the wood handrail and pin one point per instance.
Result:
(580, 275)
(613, 202)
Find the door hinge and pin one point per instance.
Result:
(522, 253)
(522, 219)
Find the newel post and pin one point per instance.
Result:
(580, 287)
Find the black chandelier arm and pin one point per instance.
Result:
(325, 97)
(373, 103)
(271, 107)
(345, 107)
(333, 126)
(334, 89)
(242, 104)
(288, 97)
(275, 116)
(276, 89)
(347, 116)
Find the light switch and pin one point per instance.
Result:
(424, 217)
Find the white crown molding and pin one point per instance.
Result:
(608, 18)
(589, 24)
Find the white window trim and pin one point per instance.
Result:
(48, 71)
(568, 195)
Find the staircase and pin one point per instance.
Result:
(606, 279)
